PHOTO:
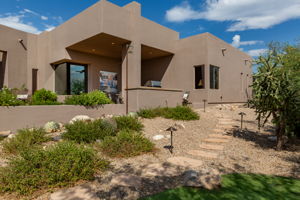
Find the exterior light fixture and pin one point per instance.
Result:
(242, 117)
(22, 43)
(171, 147)
(223, 51)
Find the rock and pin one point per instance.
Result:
(5, 133)
(133, 114)
(206, 179)
(81, 118)
(179, 126)
(51, 127)
(191, 179)
(11, 136)
(127, 180)
(158, 137)
(272, 138)
(79, 192)
(109, 116)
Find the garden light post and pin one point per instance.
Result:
(171, 129)
(242, 117)
(204, 102)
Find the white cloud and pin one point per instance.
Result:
(245, 14)
(44, 17)
(16, 22)
(236, 42)
(257, 52)
(49, 27)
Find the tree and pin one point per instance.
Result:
(276, 93)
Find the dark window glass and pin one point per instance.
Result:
(3, 56)
(214, 77)
(199, 77)
(77, 79)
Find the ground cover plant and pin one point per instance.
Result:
(177, 113)
(129, 122)
(94, 98)
(44, 97)
(8, 98)
(25, 139)
(88, 132)
(237, 187)
(59, 165)
(126, 144)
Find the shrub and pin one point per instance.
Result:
(59, 165)
(44, 97)
(177, 113)
(94, 98)
(25, 139)
(88, 132)
(128, 122)
(126, 144)
(7, 98)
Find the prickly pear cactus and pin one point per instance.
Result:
(51, 127)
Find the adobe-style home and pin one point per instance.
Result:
(116, 50)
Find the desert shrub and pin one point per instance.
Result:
(44, 97)
(126, 144)
(59, 165)
(25, 139)
(177, 113)
(88, 132)
(129, 122)
(94, 98)
(8, 98)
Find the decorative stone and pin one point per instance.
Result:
(211, 147)
(5, 133)
(216, 140)
(132, 114)
(203, 154)
(219, 136)
(127, 180)
(211, 180)
(158, 137)
(185, 162)
(51, 127)
(191, 179)
(79, 192)
(81, 118)
(179, 126)
(11, 136)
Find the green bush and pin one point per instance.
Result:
(129, 122)
(94, 98)
(57, 166)
(88, 132)
(177, 113)
(8, 98)
(25, 139)
(44, 97)
(126, 144)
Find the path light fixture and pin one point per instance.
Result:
(171, 129)
(204, 103)
(242, 118)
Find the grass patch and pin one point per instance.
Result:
(129, 122)
(126, 144)
(177, 113)
(59, 165)
(88, 132)
(237, 187)
(25, 139)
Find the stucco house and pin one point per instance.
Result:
(115, 49)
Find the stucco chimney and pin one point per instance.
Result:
(134, 7)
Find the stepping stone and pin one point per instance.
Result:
(203, 154)
(211, 147)
(185, 162)
(79, 192)
(219, 136)
(224, 126)
(219, 130)
(160, 169)
(126, 180)
(226, 122)
(216, 140)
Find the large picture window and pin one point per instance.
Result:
(214, 77)
(199, 77)
(3, 56)
(70, 79)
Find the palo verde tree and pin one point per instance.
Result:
(276, 92)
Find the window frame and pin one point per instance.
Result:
(214, 80)
(202, 67)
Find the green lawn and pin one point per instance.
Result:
(239, 187)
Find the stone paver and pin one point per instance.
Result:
(219, 136)
(185, 162)
(82, 192)
(127, 180)
(160, 169)
(216, 140)
(226, 123)
(212, 147)
(218, 130)
(220, 126)
(203, 154)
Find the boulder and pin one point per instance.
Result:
(133, 114)
(191, 179)
(81, 118)
(209, 179)
(5, 133)
(51, 127)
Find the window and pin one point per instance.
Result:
(3, 56)
(70, 79)
(199, 77)
(214, 77)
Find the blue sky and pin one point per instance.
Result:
(248, 24)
